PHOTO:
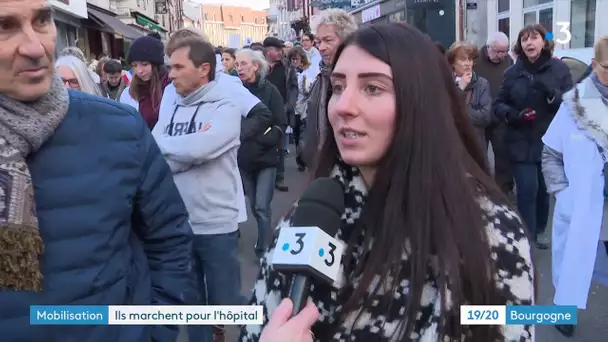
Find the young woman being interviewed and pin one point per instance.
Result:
(426, 227)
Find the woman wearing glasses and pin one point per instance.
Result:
(75, 75)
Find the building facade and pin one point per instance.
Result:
(254, 27)
(287, 12)
(579, 20)
(68, 16)
(107, 27)
(273, 19)
(231, 26)
(104, 33)
(213, 25)
(192, 16)
(140, 14)
(169, 13)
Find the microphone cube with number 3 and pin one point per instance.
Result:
(308, 250)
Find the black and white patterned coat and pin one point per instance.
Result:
(510, 250)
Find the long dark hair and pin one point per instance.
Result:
(425, 189)
(153, 88)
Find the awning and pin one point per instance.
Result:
(143, 21)
(115, 25)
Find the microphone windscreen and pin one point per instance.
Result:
(321, 205)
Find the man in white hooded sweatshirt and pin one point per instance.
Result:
(200, 141)
(256, 116)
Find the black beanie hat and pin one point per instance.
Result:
(147, 49)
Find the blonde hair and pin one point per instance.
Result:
(343, 22)
(257, 57)
(182, 34)
(601, 49)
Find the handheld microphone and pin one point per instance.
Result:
(308, 247)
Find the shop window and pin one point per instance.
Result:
(417, 18)
(530, 18)
(532, 3)
(72, 35)
(545, 18)
(397, 17)
(539, 12)
(67, 35)
(62, 38)
(504, 25)
(503, 6)
(582, 23)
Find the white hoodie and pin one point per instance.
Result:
(239, 95)
(204, 161)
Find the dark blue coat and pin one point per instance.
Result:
(115, 229)
(523, 139)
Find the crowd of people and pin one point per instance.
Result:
(127, 185)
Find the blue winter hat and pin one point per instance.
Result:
(147, 49)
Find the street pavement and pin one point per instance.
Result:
(593, 323)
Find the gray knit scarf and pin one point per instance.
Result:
(24, 127)
(600, 87)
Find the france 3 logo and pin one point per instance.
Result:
(564, 35)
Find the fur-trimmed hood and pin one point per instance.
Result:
(589, 112)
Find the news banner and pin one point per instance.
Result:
(145, 315)
(253, 315)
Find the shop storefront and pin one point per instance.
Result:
(107, 34)
(370, 12)
(68, 14)
(435, 17)
(149, 25)
(582, 18)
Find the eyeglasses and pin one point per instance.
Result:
(72, 82)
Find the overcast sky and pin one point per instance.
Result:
(255, 4)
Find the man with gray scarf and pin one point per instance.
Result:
(331, 27)
(89, 211)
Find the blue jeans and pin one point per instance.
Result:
(217, 270)
(259, 189)
(286, 140)
(532, 196)
(280, 170)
